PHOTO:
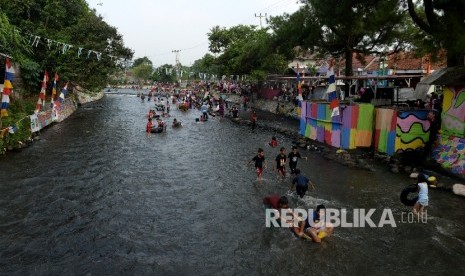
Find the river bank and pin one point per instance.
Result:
(22, 132)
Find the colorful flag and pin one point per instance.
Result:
(331, 91)
(299, 84)
(334, 106)
(62, 95)
(54, 88)
(41, 100)
(7, 88)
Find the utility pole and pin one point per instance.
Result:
(260, 16)
(177, 57)
(178, 64)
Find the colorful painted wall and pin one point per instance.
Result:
(354, 128)
(449, 151)
(398, 131)
(412, 130)
(385, 130)
(65, 110)
(453, 115)
(45, 118)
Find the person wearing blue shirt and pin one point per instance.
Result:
(301, 183)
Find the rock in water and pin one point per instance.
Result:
(459, 189)
(414, 175)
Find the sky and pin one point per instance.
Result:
(154, 28)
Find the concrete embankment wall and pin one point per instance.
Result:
(84, 98)
(288, 108)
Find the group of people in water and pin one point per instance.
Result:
(209, 106)
(160, 125)
(314, 228)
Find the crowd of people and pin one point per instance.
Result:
(204, 96)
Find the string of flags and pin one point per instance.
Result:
(63, 48)
(203, 76)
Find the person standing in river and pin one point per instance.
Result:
(281, 163)
(149, 126)
(293, 156)
(300, 182)
(253, 119)
(260, 163)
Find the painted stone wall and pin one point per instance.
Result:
(46, 118)
(398, 131)
(351, 130)
(385, 130)
(453, 115)
(65, 110)
(412, 130)
(450, 153)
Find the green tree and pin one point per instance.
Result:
(142, 71)
(442, 21)
(243, 49)
(11, 41)
(164, 73)
(207, 64)
(341, 28)
(72, 23)
(139, 61)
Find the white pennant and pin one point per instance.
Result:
(49, 43)
(36, 41)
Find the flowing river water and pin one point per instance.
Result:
(97, 196)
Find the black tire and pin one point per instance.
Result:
(157, 130)
(404, 195)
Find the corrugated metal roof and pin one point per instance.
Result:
(446, 76)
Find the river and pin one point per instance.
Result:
(97, 196)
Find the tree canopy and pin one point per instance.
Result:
(139, 61)
(341, 28)
(68, 23)
(443, 26)
(246, 50)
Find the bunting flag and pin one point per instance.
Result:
(332, 96)
(299, 84)
(62, 95)
(334, 106)
(54, 88)
(41, 100)
(331, 91)
(7, 88)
